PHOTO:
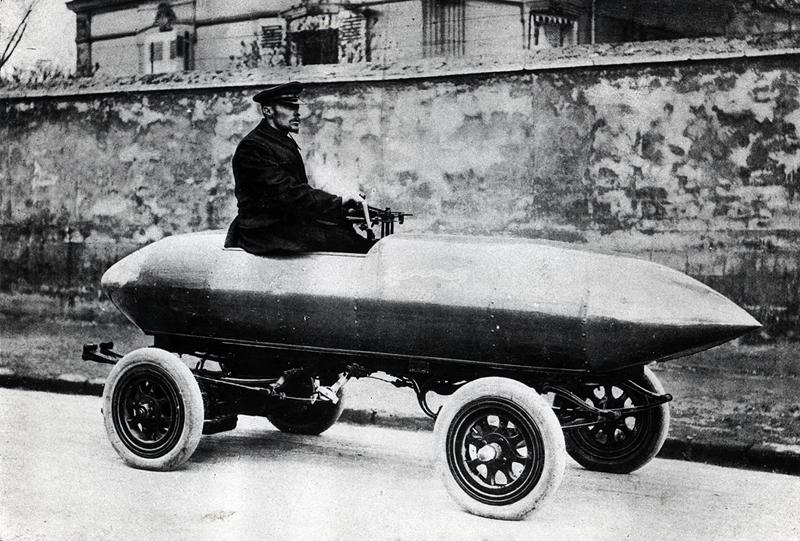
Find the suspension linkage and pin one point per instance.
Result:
(421, 397)
(657, 400)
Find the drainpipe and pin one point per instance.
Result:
(524, 11)
(190, 62)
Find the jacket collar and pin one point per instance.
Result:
(268, 131)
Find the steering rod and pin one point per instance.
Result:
(365, 207)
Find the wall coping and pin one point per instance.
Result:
(601, 56)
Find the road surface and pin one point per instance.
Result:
(60, 479)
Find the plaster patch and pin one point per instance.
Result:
(97, 237)
(149, 116)
(130, 113)
(446, 118)
(793, 118)
(407, 112)
(332, 178)
(753, 93)
(199, 111)
(224, 106)
(362, 122)
(770, 197)
(790, 161)
(222, 150)
(740, 154)
(499, 98)
(619, 204)
(41, 177)
(231, 126)
(150, 234)
(135, 152)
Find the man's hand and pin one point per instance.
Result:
(352, 199)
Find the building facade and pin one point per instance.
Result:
(128, 37)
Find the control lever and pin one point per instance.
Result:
(365, 207)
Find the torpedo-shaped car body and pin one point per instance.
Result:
(541, 346)
(521, 303)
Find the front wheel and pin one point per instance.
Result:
(153, 410)
(619, 445)
(499, 448)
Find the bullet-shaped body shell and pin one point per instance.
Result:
(517, 302)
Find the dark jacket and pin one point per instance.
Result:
(278, 209)
(271, 183)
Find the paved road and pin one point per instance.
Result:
(60, 479)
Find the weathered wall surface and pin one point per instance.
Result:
(691, 164)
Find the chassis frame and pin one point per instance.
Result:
(229, 393)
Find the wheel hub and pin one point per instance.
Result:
(145, 411)
(490, 452)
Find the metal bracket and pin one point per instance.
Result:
(421, 399)
(105, 356)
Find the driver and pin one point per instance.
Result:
(278, 210)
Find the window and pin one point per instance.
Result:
(443, 27)
(317, 46)
(165, 52)
(643, 20)
(551, 31)
(156, 51)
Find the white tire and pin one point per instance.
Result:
(153, 410)
(499, 448)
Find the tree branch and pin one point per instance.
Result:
(16, 37)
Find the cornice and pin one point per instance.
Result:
(83, 6)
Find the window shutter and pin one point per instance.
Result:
(271, 36)
(443, 27)
(351, 28)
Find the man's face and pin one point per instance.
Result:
(284, 116)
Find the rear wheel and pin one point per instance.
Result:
(619, 445)
(152, 410)
(499, 448)
(301, 417)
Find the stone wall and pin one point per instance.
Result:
(690, 163)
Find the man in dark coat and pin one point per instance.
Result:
(278, 210)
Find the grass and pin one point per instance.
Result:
(44, 348)
(778, 359)
(34, 307)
